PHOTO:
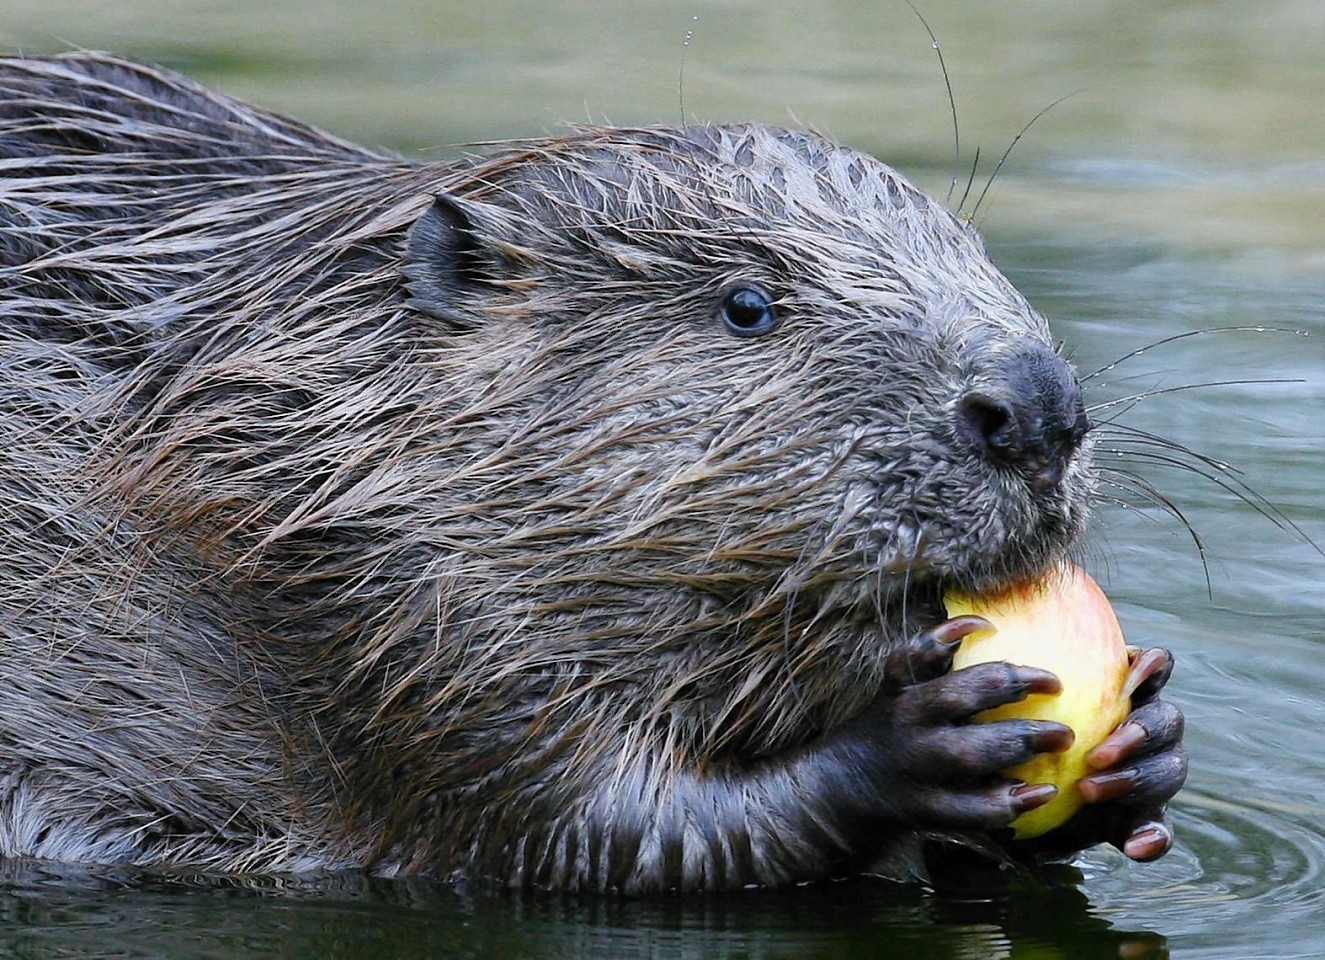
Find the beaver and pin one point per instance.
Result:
(570, 515)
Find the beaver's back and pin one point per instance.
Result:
(127, 690)
(77, 106)
(101, 154)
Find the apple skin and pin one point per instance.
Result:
(1062, 623)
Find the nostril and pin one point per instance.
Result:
(989, 424)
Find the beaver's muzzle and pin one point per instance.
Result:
(1026, 413)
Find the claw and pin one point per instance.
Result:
(1109, 786)
(1144, 666)
(1052, 738)
(1148, 841)
(929, 654)
(1030, 796)
(952, 632)
(1117, 746)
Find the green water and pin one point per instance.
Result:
(1181, 187)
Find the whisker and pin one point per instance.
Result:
(1122, 432)
(1186, 335)
(1131, 400)
(1150, 493)
(970, 180)
(906, 580)
(1228, 478)
(952, 104)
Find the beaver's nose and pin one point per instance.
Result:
(1026, 413)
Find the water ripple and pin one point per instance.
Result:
(1237, 863)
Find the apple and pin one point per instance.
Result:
(1062, 622)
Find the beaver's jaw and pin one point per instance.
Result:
(977, 552)
(919, 588)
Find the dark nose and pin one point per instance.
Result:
(1025, 413)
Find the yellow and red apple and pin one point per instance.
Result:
(1062, 623)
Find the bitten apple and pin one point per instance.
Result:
(1063, 623)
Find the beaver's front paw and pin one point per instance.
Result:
(1140, 766)
(931, 766)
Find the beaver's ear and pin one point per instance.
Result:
(458, 254)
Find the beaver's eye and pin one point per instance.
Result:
(747, 311)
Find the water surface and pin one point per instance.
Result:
(1181, 188)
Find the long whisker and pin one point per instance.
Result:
(1165, 341)
(970, 180)
(1131, 400)
(1122, 432)
(1140, 445)
(952, 103)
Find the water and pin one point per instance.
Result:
(1181, 189)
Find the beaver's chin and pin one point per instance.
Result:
(998, 576)
(919, 604)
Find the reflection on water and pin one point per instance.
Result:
(45, 913)
(1182, 190)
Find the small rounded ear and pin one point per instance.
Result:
(458, 254)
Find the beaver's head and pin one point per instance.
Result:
(737, 404)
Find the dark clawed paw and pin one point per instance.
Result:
(1140, 766)
(941, 745)
(946, 770)
(1137, 769)
(1142, 760)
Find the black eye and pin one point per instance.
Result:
(747, 311)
